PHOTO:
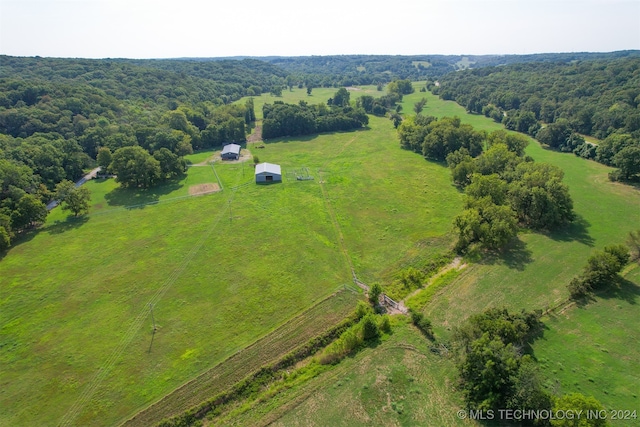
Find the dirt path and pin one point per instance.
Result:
(256, 136)
(455, 264)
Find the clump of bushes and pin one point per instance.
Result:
(421, 322)
(601, 270)
(369, 328)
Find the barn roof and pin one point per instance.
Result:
(231, 148)
(268, 168)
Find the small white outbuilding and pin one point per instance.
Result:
(268, 172)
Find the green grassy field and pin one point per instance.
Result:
(318, 95)
(593, 349)
(221, 270)
(266, 350)
(585, 351)
(74, 298)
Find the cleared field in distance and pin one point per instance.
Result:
(222, 269)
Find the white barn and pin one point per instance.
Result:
(268, 172)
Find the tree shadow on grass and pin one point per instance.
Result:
(20, 238)
(621, 289)
(137, 198)
(303, 138)
(56, 227)
(515, 255)
(576, 231)
(70, 223)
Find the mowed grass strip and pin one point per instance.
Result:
(397, 382)
(266, 350)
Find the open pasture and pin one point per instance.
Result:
(593, 349)
(584, 349)
(220, 270)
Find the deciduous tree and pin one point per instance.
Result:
(419, 106)
(29, 210)
(574, 403)
(135, 167)
(72, 198)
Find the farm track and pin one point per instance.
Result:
(455, 264)
(334, 218)
(312, 322)
(134, 327)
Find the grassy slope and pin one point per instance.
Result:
(584, 349)
(75, 293)
(398, 382)
(69, 295)
(593, 349)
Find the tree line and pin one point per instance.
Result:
(504, 189)
(558, 102)
(282, 119)
(352, 70)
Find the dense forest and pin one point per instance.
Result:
(559, 102)
(348, 70)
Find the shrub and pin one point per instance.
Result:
(370, 329)
(422, 323)
(385, 324)
(362, 309)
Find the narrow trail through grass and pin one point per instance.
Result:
(455, 264)
(332, 213)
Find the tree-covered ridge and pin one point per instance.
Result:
(350, 70)
(347, 70)
(160, 80)
(597, 97)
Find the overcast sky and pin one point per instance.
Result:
(200, 28)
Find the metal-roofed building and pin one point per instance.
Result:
(230, 152)
(268, 172)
